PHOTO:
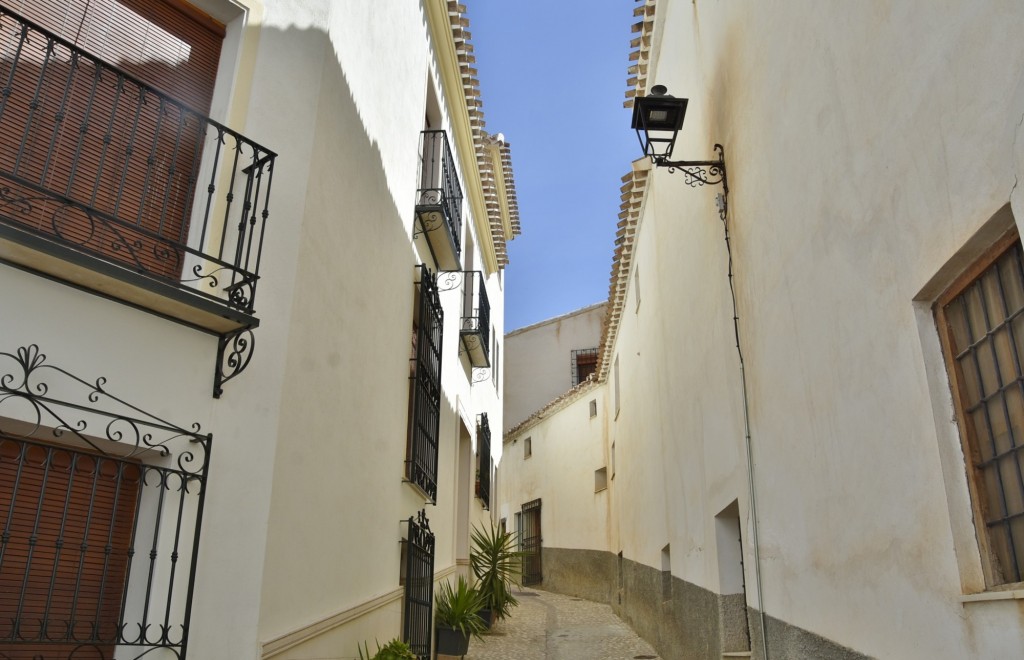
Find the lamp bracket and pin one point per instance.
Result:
(698, 172)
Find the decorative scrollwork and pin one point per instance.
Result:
(481, 374)
(448, 280)
(234, 352)
(87, 412)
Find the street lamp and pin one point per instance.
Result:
(657, 119)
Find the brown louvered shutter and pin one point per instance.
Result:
(67, 519)
(133, 161)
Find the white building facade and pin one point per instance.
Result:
(190, 470)
(851, 483)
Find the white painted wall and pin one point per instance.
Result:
(539, 359)
(865, 146)
(302, 520)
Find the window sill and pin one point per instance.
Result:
(1009, 594)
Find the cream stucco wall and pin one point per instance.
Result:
(299, 555)
(539, 359)
(866, 145)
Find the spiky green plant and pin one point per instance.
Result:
(497, 565)
(457, 607)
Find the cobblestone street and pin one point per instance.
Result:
(555, 627)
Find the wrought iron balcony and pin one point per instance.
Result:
(439, 200)
(425, 387)
(475, 325)
(483, 439)
(113, 186)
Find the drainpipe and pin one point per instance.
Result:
(722, 204)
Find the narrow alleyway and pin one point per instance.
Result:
(554, 627)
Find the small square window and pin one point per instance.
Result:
(600, 479)
(584, 363)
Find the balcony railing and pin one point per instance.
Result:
(475, 323)
(483, 438)
(439, 200)
(108, 174)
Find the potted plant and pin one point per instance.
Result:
(396, 649)
(496, 564)
(456, 616)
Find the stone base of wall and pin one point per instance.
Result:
(681, 620)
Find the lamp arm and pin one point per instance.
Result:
(698, 172)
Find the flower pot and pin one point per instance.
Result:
(451, 641)
(487, 616)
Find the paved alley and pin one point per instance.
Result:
(555, 627)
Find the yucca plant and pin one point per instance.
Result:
(456, 616)
(497, 565)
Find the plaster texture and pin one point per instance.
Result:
(296, 560)
(870, 162)
(539, 356)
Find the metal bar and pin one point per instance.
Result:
(32, 546)
(161, 486)
(107, 137)
(14, 67)
(171, 170)
(59, 117)
(128, 150)
(174, 552)
(59, 545)
(988, 421)
(193, 181)
(83, 129)
(208, 446)
(33, 105)
(108, 548)
(84, 548)
(150, 162)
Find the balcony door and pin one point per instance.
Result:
(106, 165)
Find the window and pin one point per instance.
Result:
(613, 460)
(600, 479)
(425, 388)
(527, 448)
(483, 469)
(666, 573)
(593, 408)
(981, 326)
(584, 363)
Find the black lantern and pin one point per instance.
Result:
(657, 119)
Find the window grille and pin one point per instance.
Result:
(99, 540)
(483, 434)
(982, 327)
(418, 607)
(421, 462)
(584, 363)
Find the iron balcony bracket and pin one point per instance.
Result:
(701, 173)
(480, 374)
(234, 352)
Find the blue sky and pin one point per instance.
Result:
(553, 79)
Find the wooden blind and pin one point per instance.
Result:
(76, 506)
(99, 145)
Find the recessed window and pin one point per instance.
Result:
(593, 408)
(528, 448)
(981, 325)
(584, 363)
(600, 479)
(636, 284)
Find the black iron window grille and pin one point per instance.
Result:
(439, 199)
(483, 438)
(102, 170)
(584, 363)
(475, 323)
(982, 328)
(418, 608)
(424, 426)
(101, 506)
(532, 543)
